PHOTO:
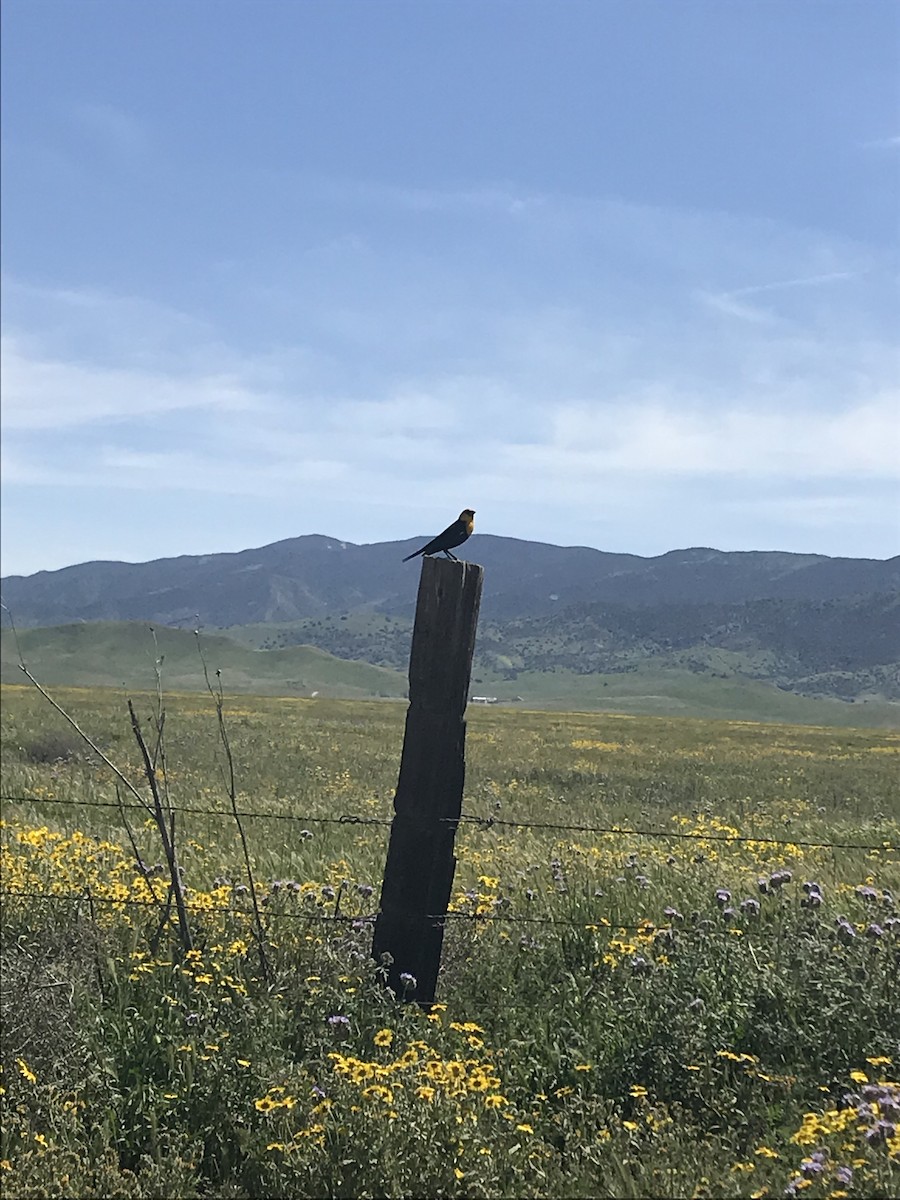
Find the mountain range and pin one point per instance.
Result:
(808, 623)
(315, 576)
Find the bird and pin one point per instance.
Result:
(453, 535)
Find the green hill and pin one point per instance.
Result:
(116, 654)
(124, 654)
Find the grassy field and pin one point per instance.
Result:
(703, 1008)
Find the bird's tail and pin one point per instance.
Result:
(413, 555)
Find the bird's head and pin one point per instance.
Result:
(468, 516)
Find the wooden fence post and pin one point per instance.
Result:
(418, 873)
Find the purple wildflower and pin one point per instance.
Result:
(880, 1132)
(722, 896)
(778, 878)
(874, 931)
(812, 1166)
(750, 907)
(845, 930)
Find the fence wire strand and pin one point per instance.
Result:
(344, 819)
(597, 925)
(467, 819)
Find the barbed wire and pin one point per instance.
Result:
(597, 924)
(344, 819)
(561, 827)
(468, 819)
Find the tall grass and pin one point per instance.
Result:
(687, 1010)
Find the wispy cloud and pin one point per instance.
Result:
(584, 384)
(113, 129)
(51, 395)
(804, 281)
(732, 302)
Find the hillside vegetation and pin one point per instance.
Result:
(125, 655)
(120, 654)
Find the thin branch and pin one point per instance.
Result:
(219, 700)
(166, 905)
(167, 836)
(123, 779)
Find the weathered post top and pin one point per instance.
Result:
(418, 874)
(440, 661)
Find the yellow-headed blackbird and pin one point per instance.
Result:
(453, 535)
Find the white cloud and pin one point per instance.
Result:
(45, 394)
(600, 392)
(665, 437)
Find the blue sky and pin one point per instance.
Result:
(612, 274)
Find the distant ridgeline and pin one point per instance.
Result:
(817, 626)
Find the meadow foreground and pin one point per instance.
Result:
(670, 968)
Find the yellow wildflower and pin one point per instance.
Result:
(26, 1070)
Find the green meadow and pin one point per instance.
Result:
(671, 962)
